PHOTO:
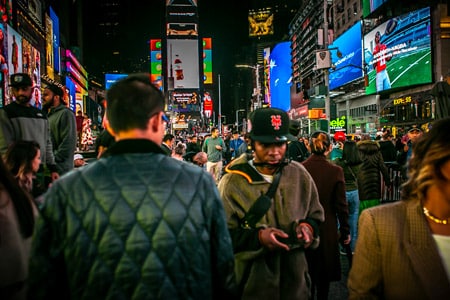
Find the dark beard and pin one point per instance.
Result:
(22, 100)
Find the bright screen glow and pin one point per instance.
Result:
(403, 56)
(280, 76)
(349, 66)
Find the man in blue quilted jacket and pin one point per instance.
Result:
(135, 224)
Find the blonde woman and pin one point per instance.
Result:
(403, 248)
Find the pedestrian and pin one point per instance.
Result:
(235, 142)
(21, 121)
(86, 135)
(63, 129)
(79, 121)
(179, 151)
(129, 225)
(17, 217)
(296, 149)
(270, 233)
(405, 152)
(167, 143)
(79, 161)
(387, 147)
(324, 262)
(23, 159)
(350, 162)
(372, 173)
(214, 146)
(339, 139)
(103, 142)
(402, 250)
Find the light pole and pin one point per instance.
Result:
(257, 91)
(219, 121)
(237, 118)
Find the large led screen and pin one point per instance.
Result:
(183, 63)
(110, 79)
(369, 6)
(398, 52)
(207, 61)
(156, 63)
(348, 66)
(280, 76)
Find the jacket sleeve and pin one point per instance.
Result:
(365, 278)
(6, 131)
(224, 283)
(68, 130)
(49, 156)
(47, 279)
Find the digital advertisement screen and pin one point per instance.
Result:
(183, 63)
(55, 22)
(369, 6)
(156, 63)
(207, 61)
(280, 76)
(349, 66)
(111, 78)
(398, 52)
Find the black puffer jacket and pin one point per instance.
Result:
(132, 226)
(372, 168)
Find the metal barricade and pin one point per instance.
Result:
(392, 192)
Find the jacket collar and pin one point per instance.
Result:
(133, 146)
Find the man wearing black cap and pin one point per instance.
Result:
(414, 132)
(62, 127)
(269, 252)
(21, 121)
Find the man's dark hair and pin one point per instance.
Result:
(132, 101)
(168, 137)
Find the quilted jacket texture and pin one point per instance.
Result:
(132, 226)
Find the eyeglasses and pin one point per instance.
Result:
(165, 118)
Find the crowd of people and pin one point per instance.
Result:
(260, 215)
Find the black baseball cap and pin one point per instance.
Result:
(270, 125)
(20, 80)
(414, 128)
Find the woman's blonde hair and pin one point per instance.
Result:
(320, 142)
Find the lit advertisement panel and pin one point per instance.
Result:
(207, 61)
(156, 63)
(55, 21)
(183, 63)
(70, 85)
(111, 78)
(349, 66)
(369, 6)
(280, 76)
(14, 51)
(267, 76)
(260, 22)
(49, 47)
(403, 56)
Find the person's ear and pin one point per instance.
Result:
(107, 126)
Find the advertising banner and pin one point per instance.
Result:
(398, 52)
(14, 51)
(280, 76)
(260, 22)
(156, 63)
(348, 66)
(183, 63)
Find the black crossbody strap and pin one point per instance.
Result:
(261, 205)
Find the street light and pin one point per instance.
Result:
(257, 91)
(237, 118)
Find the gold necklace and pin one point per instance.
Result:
(434, 219)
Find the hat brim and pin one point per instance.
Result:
(415, 129)
(269, 139)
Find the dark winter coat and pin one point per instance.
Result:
(136, 224)
(372, 168)
(329, 179)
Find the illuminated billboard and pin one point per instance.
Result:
(260, 22)
(183, 63)
(156, 63)
(111, 78)
(280, 76)
(207, 61)
(348, 66)
(369, 6)
(398, 52)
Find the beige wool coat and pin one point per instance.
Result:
(396, 256)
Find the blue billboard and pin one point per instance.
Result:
(55, 22)
(280, 76)
(111, 78)
(346, 57)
